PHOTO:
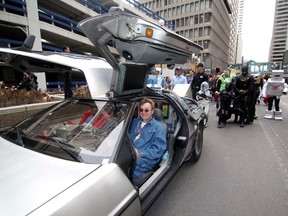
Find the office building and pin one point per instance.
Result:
(279, 42)
(211, 24)
(239, 42)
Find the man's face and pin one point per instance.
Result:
(146, 111)
(178, 72)
(200, 69)
(244, 73)
(67, 50)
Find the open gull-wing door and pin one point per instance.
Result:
(137, 41)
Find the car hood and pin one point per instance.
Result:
(29, 179)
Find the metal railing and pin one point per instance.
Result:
(16, 6)
(93, 5)
(58, 20)
(52, 86)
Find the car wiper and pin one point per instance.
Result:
(19, 139)
(64, 146)
(19, 134)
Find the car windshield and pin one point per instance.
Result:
(81, 130)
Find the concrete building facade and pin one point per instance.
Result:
(279, 42)
(239, 42)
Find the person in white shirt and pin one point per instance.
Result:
(178, 78)
(158, 79)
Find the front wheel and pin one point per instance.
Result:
(196, 153)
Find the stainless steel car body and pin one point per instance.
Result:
(38, 184)
(32, 183)
(97, 71)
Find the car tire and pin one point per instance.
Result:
(198, 144)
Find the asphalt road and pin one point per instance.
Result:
(242, 172)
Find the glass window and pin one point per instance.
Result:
(177, 23)
(202, 5)
(192, 7)
(165, 14)
(183, 9)
(173, 11)
(201, 18)
(80, 130)
(186, 21)
(187, 8)
(178, 10)
(206, 31)
(207, 4)
(182, 22)
(191, 20)
(206, 44)
(207, 17)
(187, 34)
(196, 33)
(196, 19)
(191, 33)
(157, 4)
(200, 43)
(197, 6)
(200, 32)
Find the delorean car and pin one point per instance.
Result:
(74, 157)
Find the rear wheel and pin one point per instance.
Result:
(198, 145)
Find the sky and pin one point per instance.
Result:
(258, 18)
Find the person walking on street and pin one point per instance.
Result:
(199, 77)
(243, 88)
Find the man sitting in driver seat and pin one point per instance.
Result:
(149, 138)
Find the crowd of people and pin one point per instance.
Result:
(234, 94)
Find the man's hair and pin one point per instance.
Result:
(65, 47)
(200, 65)
(147, 100)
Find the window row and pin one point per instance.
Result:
(192, 20)
(196, 32)
(178, 10)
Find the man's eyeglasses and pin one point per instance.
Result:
(144, 110)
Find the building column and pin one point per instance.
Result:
(34, 29)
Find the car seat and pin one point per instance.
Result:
(158, 115)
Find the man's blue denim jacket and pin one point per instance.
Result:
(151, 145)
